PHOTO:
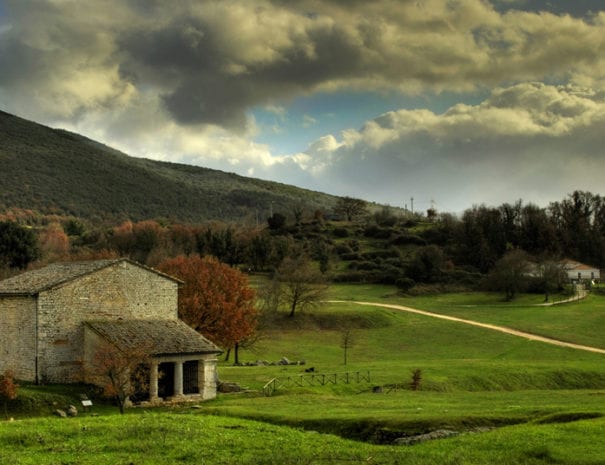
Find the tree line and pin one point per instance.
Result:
(350, 243)
(573, 227)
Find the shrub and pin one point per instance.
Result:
(377, 232)
(363, 265)
(416, 379)
(385, 217)
(8, 389)
(379, 254)
(408, 239)
(358, 276)
(389, 274)
(341, 232)
(354, 244)
(342, 249)
(404, 284)
(463, 277)
(276, 222)
(394, 262)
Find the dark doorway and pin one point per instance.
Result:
(166, 379)
(190, 377)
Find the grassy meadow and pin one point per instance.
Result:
(512, 401)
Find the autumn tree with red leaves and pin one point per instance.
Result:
(8, 389)
(54, 243)
(215, 300)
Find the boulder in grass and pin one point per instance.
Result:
(72, 411)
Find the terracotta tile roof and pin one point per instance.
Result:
(166, 337)
(33, 282)
(574, 265)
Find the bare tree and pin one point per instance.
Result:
(510, 273)
(347, 341)
(120, 372)
(551, 276)
(299, 284)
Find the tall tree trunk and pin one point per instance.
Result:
(236, 354)
(121, 403)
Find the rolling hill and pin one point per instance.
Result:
(56, 171)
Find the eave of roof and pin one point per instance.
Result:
(55, 275)
(163, 337)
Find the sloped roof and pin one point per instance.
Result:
(574, 265)
(56, 274)
(165, 337)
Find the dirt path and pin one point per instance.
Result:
(502, 329)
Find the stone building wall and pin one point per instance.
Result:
(121, 291)
(18, 336)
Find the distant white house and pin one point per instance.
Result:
(577, 271)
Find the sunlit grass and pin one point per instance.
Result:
(546, 403)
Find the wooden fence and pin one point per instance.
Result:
(315, 379)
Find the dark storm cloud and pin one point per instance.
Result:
(209, 78)
(211, 61)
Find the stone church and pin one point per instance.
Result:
(52, 319)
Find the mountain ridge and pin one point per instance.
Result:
(57, 171)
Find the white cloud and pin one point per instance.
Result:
(308, 121)
(528, 139)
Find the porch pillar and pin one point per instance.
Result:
(209, 379)
(153, 381)
(178, 378)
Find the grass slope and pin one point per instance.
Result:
(472, 377)
(545, 403)
(193, 437)
(55, 171)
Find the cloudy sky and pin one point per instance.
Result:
(458, 102)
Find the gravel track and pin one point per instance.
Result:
(502, 329)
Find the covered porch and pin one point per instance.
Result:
(182, 376)
(180, 364)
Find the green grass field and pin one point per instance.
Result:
(536, 403)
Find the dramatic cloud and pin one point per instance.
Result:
(530, 140)
(211, 61)
(180, 81)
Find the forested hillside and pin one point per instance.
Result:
(55, 171)
(65, 197)
(432, 251)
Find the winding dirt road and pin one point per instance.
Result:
(502, 329)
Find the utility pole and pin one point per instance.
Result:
(412, 204)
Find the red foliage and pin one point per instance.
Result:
(8, 387)
(216, 300)
(54, 242)
(117, 371)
